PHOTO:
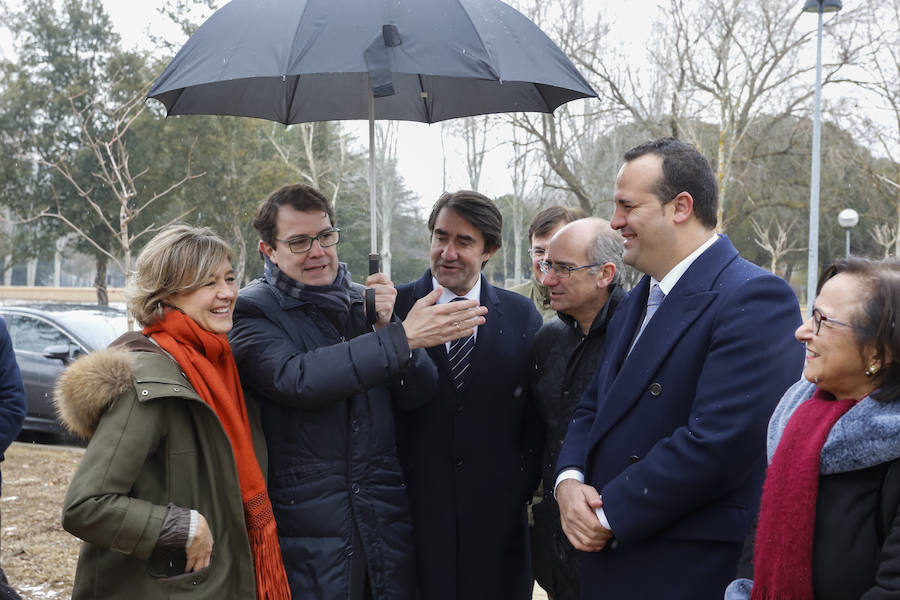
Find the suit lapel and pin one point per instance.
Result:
(682, 307)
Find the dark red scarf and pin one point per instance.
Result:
(209, 365)
(782, 554)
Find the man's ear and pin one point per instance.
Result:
(605, 275)
(683, 207)
(486, 256)
(266, 250)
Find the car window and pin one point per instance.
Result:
(33, 335)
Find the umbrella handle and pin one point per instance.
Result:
(374, 267)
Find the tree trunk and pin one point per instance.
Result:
(897, 243)
(789, 271)
(100, 263)
(240, 260)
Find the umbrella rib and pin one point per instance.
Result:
(292, 94)
(494, 71)
(424, 97)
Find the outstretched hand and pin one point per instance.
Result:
(429, 324)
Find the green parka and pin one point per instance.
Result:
(153, 441)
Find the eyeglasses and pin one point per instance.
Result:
(561, 270)
(536, 252)
(299, 245)
(818, 318)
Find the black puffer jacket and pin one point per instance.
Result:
(564, 362)
(328, 415)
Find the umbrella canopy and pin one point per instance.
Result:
(296, 61)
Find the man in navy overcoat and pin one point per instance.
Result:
(472, 454)
(669, 438)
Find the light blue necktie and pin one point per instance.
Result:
(653, 301)
(458, 356)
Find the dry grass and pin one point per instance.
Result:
(37, 555)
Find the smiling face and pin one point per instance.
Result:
(644, 222)
(582, 294)
(318, 266)
(833, 358)
(211, 304)
(457, 251)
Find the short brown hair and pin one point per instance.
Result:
(684, 169)
(479, 210)
(875, 322)
(548, 219)
(298, 196)
(176, 260)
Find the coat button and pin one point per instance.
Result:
(655, 389)
(459, 461)
(459, 408)
(354, 488)
(354, 425)
(633, 459)
(348, 550)
(145, 392)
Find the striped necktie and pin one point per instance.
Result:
(458, 356)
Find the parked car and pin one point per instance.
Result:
(46, 338)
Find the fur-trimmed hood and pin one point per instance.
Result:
(86, 388)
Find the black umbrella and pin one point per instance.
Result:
(295, 61)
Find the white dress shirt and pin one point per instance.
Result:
(447, 296)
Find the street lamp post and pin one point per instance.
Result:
(848, 218)
(820, 7)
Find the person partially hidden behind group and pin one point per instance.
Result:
(170, 496)
(829, 522)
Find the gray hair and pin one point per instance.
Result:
(608, 248)
(177, 260)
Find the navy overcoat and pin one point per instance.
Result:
(673, 436)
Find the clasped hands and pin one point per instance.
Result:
(578, 504)
(427, 324)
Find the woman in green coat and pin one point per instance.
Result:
(170, 496)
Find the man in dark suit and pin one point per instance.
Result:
(471, 455)
(669, 438)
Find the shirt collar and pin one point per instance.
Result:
(667, 283)
(447, 295)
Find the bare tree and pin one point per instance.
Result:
(474, 133)
(568, 138)
(778, 243)
(104, 134)
(880, 80)
(887, 237)
(520, 172)
(742, 61)
(325, 173)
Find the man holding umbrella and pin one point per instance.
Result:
(472, 453)
(327, 383)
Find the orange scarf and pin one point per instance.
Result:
(209, 365)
